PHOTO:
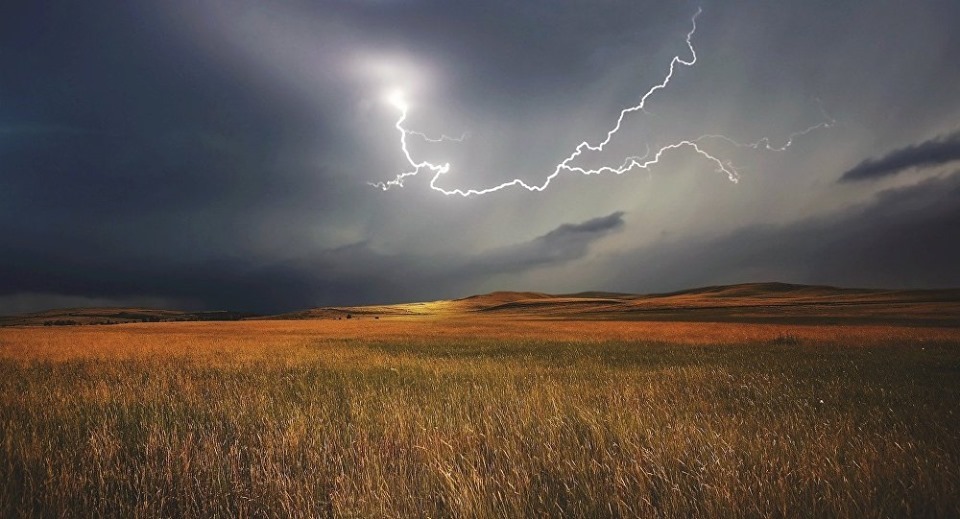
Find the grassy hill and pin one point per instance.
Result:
(751, 302)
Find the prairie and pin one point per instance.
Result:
(479, 417)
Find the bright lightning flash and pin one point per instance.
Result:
(397, 99)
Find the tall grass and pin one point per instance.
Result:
(155, 422)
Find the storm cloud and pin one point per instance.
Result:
(216, 154)
(934, 152)
(567, 242)
(903, 238)
(352, 274)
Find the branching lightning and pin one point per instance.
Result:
(765, 143)
(441, 138)
(646, 161)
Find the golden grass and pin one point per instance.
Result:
(479, 418)
(132, 340)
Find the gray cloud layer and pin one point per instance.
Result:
(566, 242)
(934, 152)
(215, 154)
(904, 238)
(353, 274)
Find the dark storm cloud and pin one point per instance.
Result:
(341, 276)
(214, 154)
(135, 165)
(903, 238)
(122, 146)
(354, 274)
(565, 243)
(934, 152)
(516, 47)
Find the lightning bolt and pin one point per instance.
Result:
(441, 138)
(645, 161)
(766, 144)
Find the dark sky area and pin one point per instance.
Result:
(214, 154)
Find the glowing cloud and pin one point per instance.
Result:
(396, 98)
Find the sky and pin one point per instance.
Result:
(214, 154)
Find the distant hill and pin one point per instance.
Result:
(749, 302)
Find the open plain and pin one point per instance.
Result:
(480, 414)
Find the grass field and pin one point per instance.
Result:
(479, 418)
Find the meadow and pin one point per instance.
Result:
(479, 418)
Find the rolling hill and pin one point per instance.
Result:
(750, 302)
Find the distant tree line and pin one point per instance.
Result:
(60, 322)
(138, 317)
